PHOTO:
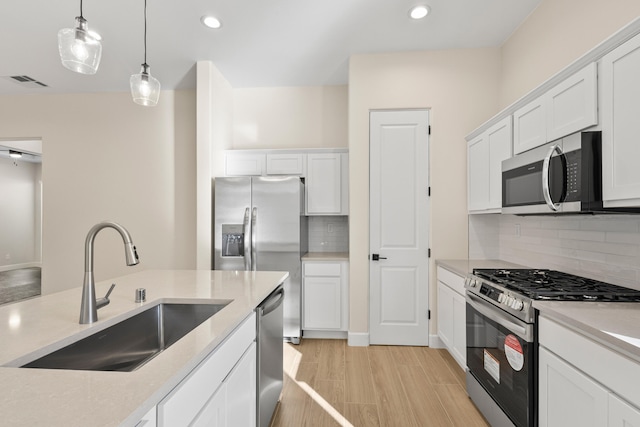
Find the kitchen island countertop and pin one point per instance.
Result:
(32, 328)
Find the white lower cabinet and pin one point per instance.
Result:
(233, 404)
(583, 383)
(621, 414)
(324, 296)
(221, 390)
(567, 396)
(149, 420)
(452, 314)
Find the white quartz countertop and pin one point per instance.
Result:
(465, 266)
(326, 256)
(68, 398)
(613, 324)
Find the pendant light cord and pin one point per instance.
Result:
(81, 9)
(145, 32)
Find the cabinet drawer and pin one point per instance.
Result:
(452, 280)
(191, 395)
(609, 368)
(321, 269)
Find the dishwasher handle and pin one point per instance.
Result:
(272, 303)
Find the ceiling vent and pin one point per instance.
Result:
(25, 81)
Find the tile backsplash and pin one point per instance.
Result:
(328, 234)
(602, 247)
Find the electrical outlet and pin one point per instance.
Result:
(517, 230)
(7, 257)
(329, 228)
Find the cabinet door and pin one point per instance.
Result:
(567, 397)
(459, 348)
(285, 164)
(214, 413)
(149, 420)
(500, 138)
(445, 315)
(478, 173)
(572, 105)
(322, 303)
(621, 414)
(620, 127)
(241, 391)
(324, 184)
(244, 164)
(529, 126)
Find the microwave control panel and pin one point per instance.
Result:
(573, 164)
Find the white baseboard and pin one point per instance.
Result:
(436, 342)
(325, 335)
(19, 266)
(358, 339)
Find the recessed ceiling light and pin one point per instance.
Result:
(419, 12)
(211, 22)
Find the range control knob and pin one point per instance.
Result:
(517, 305)
(501, 298)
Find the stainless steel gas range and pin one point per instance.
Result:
(502, 341)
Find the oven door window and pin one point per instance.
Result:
(503, 363)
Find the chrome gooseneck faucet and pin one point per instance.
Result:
(90, 305)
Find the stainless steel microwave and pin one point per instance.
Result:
(563, 176)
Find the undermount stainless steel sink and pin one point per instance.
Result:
(129, 344)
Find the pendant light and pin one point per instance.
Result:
(145, 89)
(80, 51)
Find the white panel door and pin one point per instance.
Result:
(399, 227)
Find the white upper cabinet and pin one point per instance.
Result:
(326, 186)
(286, 164)
(529, 126)
(239, 163)
(620, 79)
(573, 104)
(566, 108)
(486, 153)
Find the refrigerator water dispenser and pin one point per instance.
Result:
(232, 240)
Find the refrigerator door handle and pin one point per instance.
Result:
(247, 240)
(254, 250)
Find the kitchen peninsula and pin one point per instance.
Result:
(35, 327)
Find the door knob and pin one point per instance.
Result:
(377, 257)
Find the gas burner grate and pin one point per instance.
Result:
(555, 285)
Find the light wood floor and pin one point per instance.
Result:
(328, 383)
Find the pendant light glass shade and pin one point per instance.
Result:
(79, 50)
(145, 89)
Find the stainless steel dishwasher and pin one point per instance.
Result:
(270, 342)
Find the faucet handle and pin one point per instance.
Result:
(101, 302)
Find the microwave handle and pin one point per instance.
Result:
(546, 192)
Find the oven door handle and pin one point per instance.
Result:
(546, 191)
(525, 332)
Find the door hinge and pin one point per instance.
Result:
(429, 253)
(428, 314)
(429, 129)
(429, 191)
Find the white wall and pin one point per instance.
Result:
(19, 216)
(290, 117)
(460, 87)
(557, 33)
(105, 157)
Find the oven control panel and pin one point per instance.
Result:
(499, 296)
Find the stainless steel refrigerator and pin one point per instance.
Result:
(260, 225)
